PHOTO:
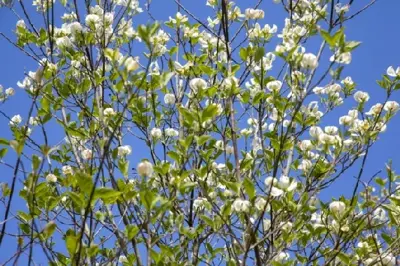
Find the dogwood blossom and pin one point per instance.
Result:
(124, 150)
(51, 178)
(361, 96)
(169, 98)
(393, 73)
(391, 106)
(145, 169)
(15, 120)
(251, 13)
(156, 133)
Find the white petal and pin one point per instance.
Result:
(390, 71)
(276, 192)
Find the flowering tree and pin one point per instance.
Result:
(194, 141)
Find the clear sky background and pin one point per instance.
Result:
(377, 28)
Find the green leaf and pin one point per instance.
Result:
(174, 155)
(260, 52)
(243, 54)
(202, 139)
(206, 69)
(71, 242)
(84, 181)
(108, 195)
(45, 104)
(4, 142)
(149, 199)
(249, 188)
(380, 181)
(35, 162)
(388, 239)
(234, 186)
(350, 46)
(166, 77)
(131, 231)
(344, 258)
(337, 37)
(49, 229)
(123, 166)
(209, 112)
(76, 199)
(173, 50)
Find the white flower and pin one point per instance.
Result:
(379, 215)
(375, 110)
(75, 27)
(212, 3)
(270, 181)
(67, 170)
(50, 178)
(286, 226)
(124, 150)
(346, 120)
(331, 130)
(15, 120)
(266, 224)
(131, 63)
(344, 58)
(276, 192)
(306, 145)
(92, 19)
(246, 132)
(64, 42)
(305, 165)
(198, 203)
(21, 24)
(229, 149)
(348, 142)
(251, 13)
(132, 4)
(275, 85)
(361, 96)
(252, 122)
(169, 98)
(282, 256)
(122, 259)
(326, 139)
(197, 84)
(145, 169)
(309, 61)
(315, 131)
(337, 207)
(393, 73)
(319, 90)
(109, 112)
(284, 181)
(353, 113)
(87, 154)
(391, 106)
(230, 82)
(388, 259)
(34, 121)
(156, 133)
(179, 18)
(348, 81)
(170, 132)
(219, 144)
(339, 8)
(10, 92)
(240, 205)
(286, 184)
(260, 204)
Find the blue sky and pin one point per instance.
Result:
(377, 29)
